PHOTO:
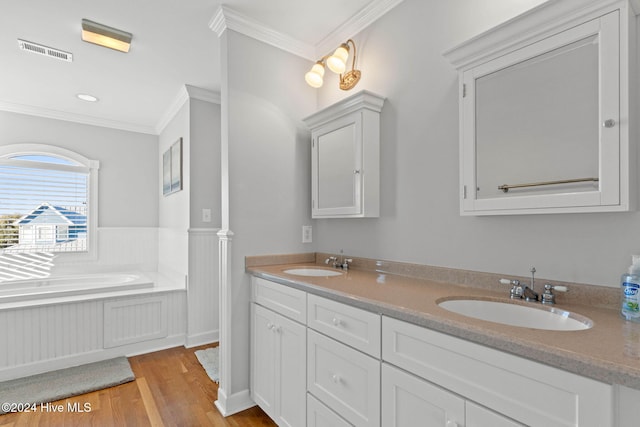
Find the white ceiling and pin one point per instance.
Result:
(173, 45)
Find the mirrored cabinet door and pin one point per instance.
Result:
(544, 122)
(345, 158)
(336, 159)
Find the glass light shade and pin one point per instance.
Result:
(338, 61)
(314, 78)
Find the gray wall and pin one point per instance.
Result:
(128, 182)
(401, 58)
(205, 162)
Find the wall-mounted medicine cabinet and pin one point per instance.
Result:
(546, 111)
(345, 158)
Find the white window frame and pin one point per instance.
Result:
(13, 150)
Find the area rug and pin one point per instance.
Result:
(56, 385)
(210, 361)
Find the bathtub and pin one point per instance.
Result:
(55, 287)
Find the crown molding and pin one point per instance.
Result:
(228, 19)
(358, 22)
(174, 107)
(76, 118)
(185, 93)
(363, 99)
(541, 21)
(203, 94)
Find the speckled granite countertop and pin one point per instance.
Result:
(600, 352)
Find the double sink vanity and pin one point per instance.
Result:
(393, 344)
(398, 344)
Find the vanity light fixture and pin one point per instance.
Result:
(337, 62)
(102, 35)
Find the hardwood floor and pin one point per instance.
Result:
(171, 389)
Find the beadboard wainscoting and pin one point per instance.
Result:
(55, 336)
(202, 289)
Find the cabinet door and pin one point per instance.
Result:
(408, 401)
(336, 157)
(263, 359)
(291, 363)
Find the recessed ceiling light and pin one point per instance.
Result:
(87, 97)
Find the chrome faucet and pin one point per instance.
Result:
(518, 290)
(339, 263)
(333, 260)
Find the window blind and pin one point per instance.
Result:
(43, 205)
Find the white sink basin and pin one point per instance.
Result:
(536, 317)
(313, 272)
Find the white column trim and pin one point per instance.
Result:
(224, 403)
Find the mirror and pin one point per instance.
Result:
(537, 124)
(336, 160)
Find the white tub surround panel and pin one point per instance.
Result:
(56, 336)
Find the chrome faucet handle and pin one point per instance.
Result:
(548, 297)
(516, 288)
(331, 258)
(345, 264)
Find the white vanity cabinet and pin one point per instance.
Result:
(547, 117)
(278, 352)
(345, 158)
(320, 363)
(494, 385)
(343, 367)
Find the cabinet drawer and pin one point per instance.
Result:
(344, 379)
(282, 299)
(527, 391)
(357, 328)
(318, 415)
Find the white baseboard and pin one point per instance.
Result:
(202, 339)
(237, 402)
(134, 349)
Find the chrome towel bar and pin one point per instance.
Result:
(506, 187)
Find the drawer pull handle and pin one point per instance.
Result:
(336, 378)
(337, 322)
(270, 326)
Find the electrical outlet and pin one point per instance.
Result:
(307, 234)
(206, 215)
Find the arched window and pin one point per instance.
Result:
(47, 201)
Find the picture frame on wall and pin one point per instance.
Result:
(172, 168)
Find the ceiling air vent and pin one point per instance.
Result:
(44, 50)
